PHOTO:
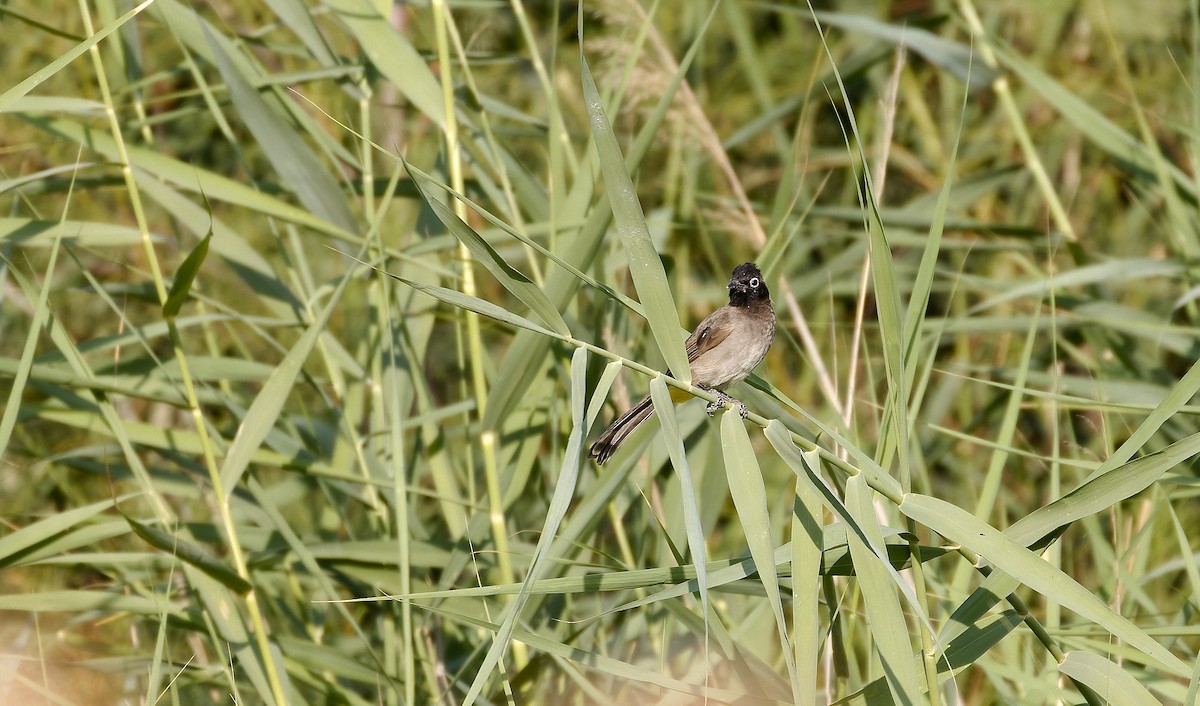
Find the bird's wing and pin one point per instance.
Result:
(708, 334)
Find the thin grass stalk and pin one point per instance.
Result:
(164, 513)
(395, 417)
(487, 437)
(386, 399)
(378, 295)
(1058, 213)
(928, 649)
(517, 218)
(210, 462)
(559, 135)
(135, 199)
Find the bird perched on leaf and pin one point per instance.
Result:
(721, 352)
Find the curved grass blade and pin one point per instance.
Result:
(1009, 556)
(453, 297)
(291, 156)
(31, 232)
(750, 500)
(1103, 491)
(79, 601)
(884, 616)
(974, 642)
(1111, 682)
(564, 490)
(15, 545)
(39, 77)
(228, 244)
(665, 410)
(645, 266)
(954, 57)
(515, 282)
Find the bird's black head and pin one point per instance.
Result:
(747, 286)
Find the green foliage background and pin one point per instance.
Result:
(234, 457)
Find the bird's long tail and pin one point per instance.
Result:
(620, 429)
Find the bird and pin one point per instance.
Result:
(721, 352)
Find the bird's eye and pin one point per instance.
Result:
(754, 283)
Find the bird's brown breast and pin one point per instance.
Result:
(730, 343)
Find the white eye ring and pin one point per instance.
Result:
(754, 283)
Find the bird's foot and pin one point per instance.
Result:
(724, 400)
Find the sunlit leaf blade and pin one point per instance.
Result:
(1110, 681)
(807, 547)
(673, 438)
(750, 500)
(563, 491)
(649, 277)
(515, 282)
(957, 525)
(888, 628)
(16, 543)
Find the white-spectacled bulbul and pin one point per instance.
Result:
(721, 352)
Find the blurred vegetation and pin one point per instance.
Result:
(979, 223)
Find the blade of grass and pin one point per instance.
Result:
(563, 491)
(750, 501)
(807, 547)
(40, 76)
(291, 157)
(1110, 681)
(645, 267)
(673, 438)
(1009, 556)
(888, 629)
